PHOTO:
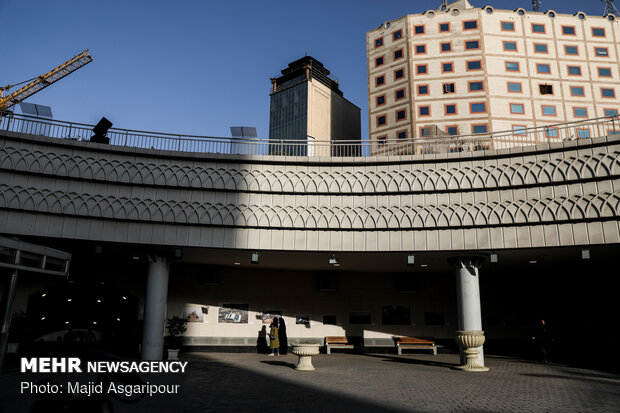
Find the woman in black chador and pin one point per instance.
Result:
(283, 338)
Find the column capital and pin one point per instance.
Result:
(468, 262)
(154, 257)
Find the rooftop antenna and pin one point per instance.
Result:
(536, 5)
(610, 8)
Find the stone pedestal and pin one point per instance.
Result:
(305, 351)
(469, 341)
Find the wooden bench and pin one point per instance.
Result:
(414, 343)
(337, 342)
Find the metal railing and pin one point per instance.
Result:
(308, 146)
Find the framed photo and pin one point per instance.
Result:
(268, 315)
(395, 315)
(195, 313)
(303, 319)
(233, 314)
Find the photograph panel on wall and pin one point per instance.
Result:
(303, 319)
(232, 313)
(396, 315)
(195, 313)
(268, 315)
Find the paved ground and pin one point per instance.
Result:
(219, 382)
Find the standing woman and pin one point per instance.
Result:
(274, 340)
(282, 337)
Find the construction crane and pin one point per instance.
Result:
(610, 8)
(41, 82)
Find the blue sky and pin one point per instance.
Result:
(196, 67)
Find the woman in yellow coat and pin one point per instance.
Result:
(274, 340)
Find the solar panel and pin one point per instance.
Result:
(236, 131)
(28, 108)
(44, 111)
(243, 132)
(36, 110)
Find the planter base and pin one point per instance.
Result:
(305, 352)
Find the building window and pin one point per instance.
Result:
(424, 110)
(379, 42)
(548, 110)
(512, 66)
(444, 27)
(577, 91)
(475, 86)
(452, 130)
(568, 30)
(510, 46)
(574, 70)
(583, 133)
(381, 141)
(608, 92)
(399, 94)
(398, 54)
(401, 114)
(520, 130)
(598, 32)
(379, 61)
(551, 132)
(421, 69)
(538, 28)
(399, 74)
(447, 67)
(380, 80)
(422, 90)
(420, 49)
(472, 45)
(470, 25)
(543, 68)
(449, 88)
(540, 48)
(402, 134)
(446, 47)
(508, 27)
(545, 89)
(604, 71)
(580, 112)
(380, 100)
(474, 65)
(514, 87)
(397, 35)
(480, 107)
(476, 129)
(517, 108)
(601, 51)
(611, 112)
(450, 109)
(419, 29)
(571, 50)
(381, 120)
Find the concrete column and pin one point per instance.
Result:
(9, 297)
(468, 296)
(155, 308)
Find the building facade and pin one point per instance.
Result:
(465, 71)
(308, 108)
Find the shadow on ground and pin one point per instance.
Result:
(407, 360)
(279, 363)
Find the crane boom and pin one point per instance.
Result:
(45, 80)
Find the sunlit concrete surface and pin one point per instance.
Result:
(363, 383)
